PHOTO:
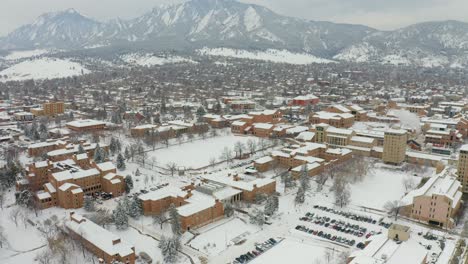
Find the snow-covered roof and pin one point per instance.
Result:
(296, 129)
(85, 123)
(196, 203)
(106, 166)
(382, 250)
(41, 195)
(306, 97)
(64, 187)
(168, 191)
(306, 136)
(99, 237)
(262, 125)
(264, 160)
(464, 147)
(240, 184)
(362, 139)
(444, 183)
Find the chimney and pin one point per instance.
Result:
(116, 241)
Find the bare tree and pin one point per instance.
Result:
(320, 180)
(172, 168)
(226, 155)
(393, 208)
(239, 148)
(160, 218)
(15, 214)
(252, 146)
(409, 183)
(341, 190)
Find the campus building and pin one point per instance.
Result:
(462, 170)
(394, 149)
(195, 208)
(65, 183)
(86, 125)
(105, 245)
(437, 202)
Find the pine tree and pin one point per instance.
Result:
(112, 146)
(135, 209)
(271, 205)
(304, 178)
(98, 155)
(120, 162)
(128, 183)
(169, 248)
(89, 204)
(175, 220)
(258, 218)
(300, 195)
(81, 149)
(120, 217)
(127, 153)
(228, 210)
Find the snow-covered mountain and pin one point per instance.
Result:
(427, 44)
(196, 23)
(227, 23)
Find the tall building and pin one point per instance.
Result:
(463, 167)
(53, 108)
(394, 150)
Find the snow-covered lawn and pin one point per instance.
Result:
(290, 251)
(277, 56)
(198, 153)
(43, 68)
(380, 186)
(217, 237)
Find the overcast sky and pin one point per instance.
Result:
(381, 14)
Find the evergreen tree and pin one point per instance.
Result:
(257, 218)
(136, 208)
(120, 217)
(228, 210)
(127, 153)
(128, 183)
(300, 195)
(113, 146)
(81, 149)
(271, 205)
(175, 220)
(99, 154)
(169, 248)
(89, 204)
(120, 162)
(304, 178)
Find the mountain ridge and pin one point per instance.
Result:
(228, 23)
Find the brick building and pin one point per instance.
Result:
(86, 125)
(108, 247)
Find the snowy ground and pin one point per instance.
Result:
(217, 237)
(198, 153)
(16, 55)
(277, 56)
(383, 185)
(43, 68)
(151, 60)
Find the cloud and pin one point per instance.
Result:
(381, 14)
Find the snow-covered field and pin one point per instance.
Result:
(290, 251)
(383, 185)
(217, 237)
(277, 56)
(43, 68)
(198, 153)
(151, 60)
(16, 55)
